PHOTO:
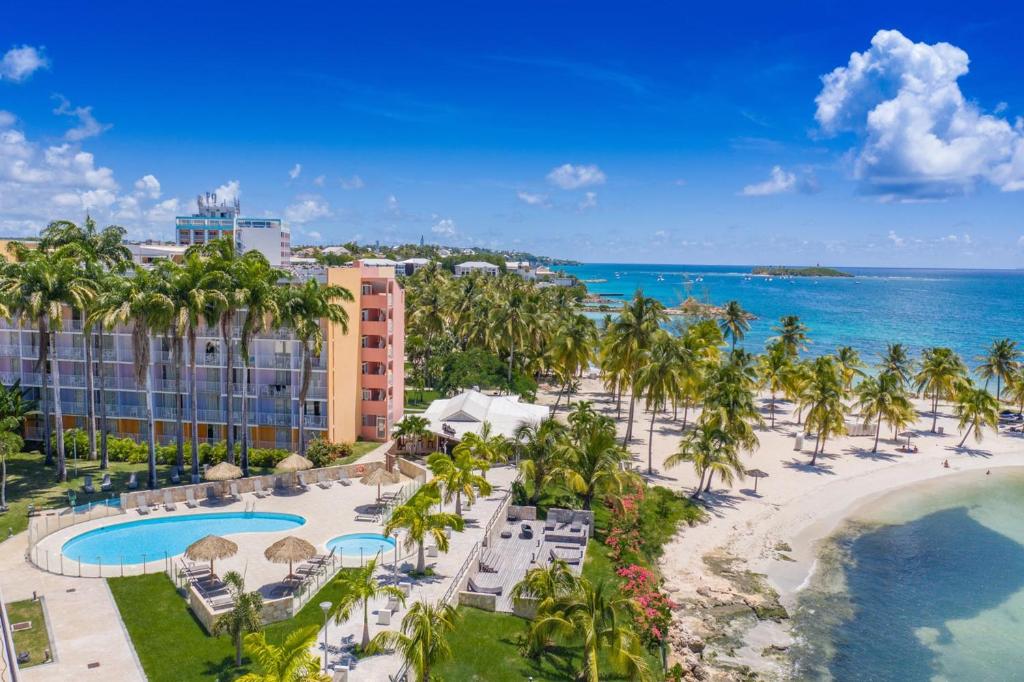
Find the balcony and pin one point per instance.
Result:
(377, 408)
(374, 355)
(379, 301)
(374, 328)
(375, 381)
(315, 421)
(274, 419)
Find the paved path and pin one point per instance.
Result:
(84, 622)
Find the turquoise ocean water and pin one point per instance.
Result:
(964, 309)
(926, 585)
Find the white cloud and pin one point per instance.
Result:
(679, 182)
(896, 240)
(165, 211)
(229, 191)
(919, 138)
(87, 126)
(7, 119)
(148, 186)
(307, 209)
(393, 206)
(314, 235)
(589, 200)
(21, 62)
(355, 182)
(532, 199)
(568, 176)
(319, 180)
(778, 182)
(295, 171)
(444, 227)
(1001, 107)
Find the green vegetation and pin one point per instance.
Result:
(35, 641)
(788, 271)
(420, 399)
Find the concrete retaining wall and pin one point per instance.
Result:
(484, 602)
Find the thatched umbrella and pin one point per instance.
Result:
(756, 474)
(290, 549)
(209, 548)
(224, 472)
(908, 435)
(379, 477)
(294, 462)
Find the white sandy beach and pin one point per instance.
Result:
(795, 504)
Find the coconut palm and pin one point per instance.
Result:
(222, 257)
(1000, 362)
(510, 321)
(37, 287)
(138, 302)
(419, 521)
(539, 448)
(710, 450)
(734, 322)
(14, 408)
(292, 661)
(572, 350)
(940, 373)
(1015, 389)
(245, 616)
(824, 401)
(882, 398)
(302, 308)
(485, 448)
(413, 428)
(976, 409)
(773, 368)
(658, 380)
(792, 334)
(896, 360)
(795, 384)
(590, 464)
(849, 364)
(358, 587)
(546, 583)
(597, 617)
(458, 475)
(729, 405)
(422, 641)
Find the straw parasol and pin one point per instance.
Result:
(290, 549)
(379, 477)
(294, 462)
(225, 471)
(908, 435)
(209, 548)
(756, 474)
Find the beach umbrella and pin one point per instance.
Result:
(290, 549)
(224, 471)
(294, 462)
(908, 435)
(379, 477)
(756, 474)
(209, 548)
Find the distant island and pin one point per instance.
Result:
(787, 271)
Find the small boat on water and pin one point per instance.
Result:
(661, 278)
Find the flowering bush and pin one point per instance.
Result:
(623, 537)
(653, 611)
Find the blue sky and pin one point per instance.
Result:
(653, 132)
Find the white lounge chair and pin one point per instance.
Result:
(87, 486)
(325, 481)
(393, 604)
(343, 478)
(234, 492)
(169, 501)
(257, 489)
(133, 481)
(301, 479)
(106, 484)
(383, 617)
(143, 504)
(190, 498)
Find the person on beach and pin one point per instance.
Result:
(945, 464)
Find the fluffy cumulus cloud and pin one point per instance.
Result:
(588, 201)
(7, 119)
(355, 182)
(569, 176)
(444, 227)
(295, 171)
(229, 191)
(779, 182)
(148, 186)
(87, 126)
(918, 137)
(19, 63)
(532, 199)
(307, 209)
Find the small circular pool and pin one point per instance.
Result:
(151, 539)
(361, 544)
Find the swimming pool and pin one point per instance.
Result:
(361, 544)
(152, 539)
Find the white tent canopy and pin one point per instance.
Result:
(468, 411)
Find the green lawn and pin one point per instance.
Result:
(359, 448)
(418, 399)
(35, 640)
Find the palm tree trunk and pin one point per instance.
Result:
(511, 359)
(365, 642)
(44, 354)
(150, 427)
(935, 410)
(878, 431)
(104, 462)
(90, 396)
(814, 457)
(307, 370)
(711, 476)
(618, 402)
(458, 503)
(179, 402)
(650, 442)
(3, 483)
(421, 560)
(238, 649)
(245, 417)
(965, 436)
(629, 424)
(58, 413)
(773, 410)
(193, 402)
(226, 325)
(686, 412)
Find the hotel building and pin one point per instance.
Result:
(356, 392)
(213, 221)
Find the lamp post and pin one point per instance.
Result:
(325, 606)
(395, 565)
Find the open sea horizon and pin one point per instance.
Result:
(919, 307)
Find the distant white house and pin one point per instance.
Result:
(518, 267)
(453, 418)
(336, 251)
(377, 262)
(413, 264)
(472, 266)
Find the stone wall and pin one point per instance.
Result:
(522, 513)
(484, 602)
(525, 607)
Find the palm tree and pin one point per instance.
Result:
(897, 361)
(710, 450)
(14, 408)
(258, 293)
(976, 409)
(572, 350)
(1001, 361)
(38, 286)
(418, 521)
(358, 587)
(138, 301)
(598, 618)
(795, 383)
(729, 404)
(422, 641)
(244, 617)
(303, 308)
(734, 322)
(940, 372)
(658, 380)
(850, 365)
(222, 257)
(292, 661)
(484, 448)
(413, 428)
(773, 368)
(539, 447)
(882, 398)
(792, 334)
(1015, 389)
(510, 320)
(546, 583)
(458, 474)
(824, 400)
(590, 464)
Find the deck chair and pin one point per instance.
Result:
(300, 479)
(190, 498)
(133, 482)
(257, 488)
(143, 506)
(169, 501)
(106, 485)
(87, 486)
(234, 492)
(211, 494)
(325, 481)
(343, 477)
(175, 476)
(383, 617)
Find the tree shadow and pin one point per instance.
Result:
(969, 451)
(716, 501)
(819, 469)
(880, 456)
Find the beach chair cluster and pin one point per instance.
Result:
(106, 485)
(308, 570)
(207, 585)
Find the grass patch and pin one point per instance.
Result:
(417, 399)
(359, 448)
(35, 641)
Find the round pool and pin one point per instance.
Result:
(152, 539)
(361, 544)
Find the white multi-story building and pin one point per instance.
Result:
(471, 266)
(214, 220)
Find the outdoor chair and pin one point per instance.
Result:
(300, 478)
(133, 481)
(393, 604)
(169, 501)
(175, 476)
(211, 494)
(234, 492)
(325, 481)
(106, 484)
(190, 498)
(142, 506)
(383, 617)
(257, 488)
(87, 487)
(343, 478)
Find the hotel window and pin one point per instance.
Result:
(367, 395)
(367, 289)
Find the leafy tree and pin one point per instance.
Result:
(658, 380)
(14, 408)
(423, 639)
(824, 401)
(710, 450)
(413, 428)
(590, 463)
(976, 408)
(940, 373)
(458, 475)
(897, 361)
(882, 398)
(539, 448)
(358, 587)
(1000, 362)
(419, 521)
(792, 334)
(735, 322)
(773, 368)
(246, 616)
(292, 661)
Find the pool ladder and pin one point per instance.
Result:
(250, 507)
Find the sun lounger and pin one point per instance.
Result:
(323, 559)
(87, 486)
(133, 482)
(325, 481)
(343, 478)
(370, 518)
(549, 525)
(175, 476)
(431, 551)
(106, 484)
(393, 604)
(569, 556)
(526, 531)
(301, 480)
(481, 589)
(280, 487)
(211, 494)
(257, 489)
(234, 492)
(195, 570)
(383, 617)
(169, 501)
(190, 498)
(142, 506)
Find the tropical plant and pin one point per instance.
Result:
(734, 322)
(14, 408)
(824, 401)
(882, 399)
(422, 641)
(710, 450)
(939, 375)
(792, 334)
(1015, 389)
(419, 521)
(590, 463)
(572, 350)
(729, 404)
(458, 475)
(1000, 362)
(358, 587)
(546, 583)
(412, 429)
(291, 661)
(539, 447)
(773, 367)
(897, 361)
(658, 380)
(246, 616)
(849, 364)
(976, 408)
